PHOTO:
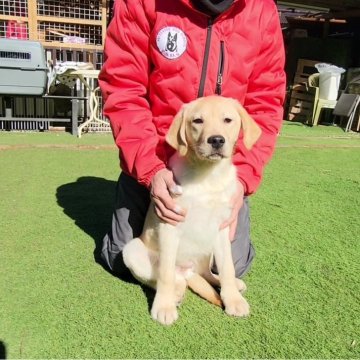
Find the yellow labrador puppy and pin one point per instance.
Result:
(170, 258)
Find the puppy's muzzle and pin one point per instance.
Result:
(216, 141)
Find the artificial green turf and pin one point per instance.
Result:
(304, 286)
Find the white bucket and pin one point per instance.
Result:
(329, 85)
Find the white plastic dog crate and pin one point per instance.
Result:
(23, 69)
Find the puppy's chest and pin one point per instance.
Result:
(207, 194)
(206, 211)
(203, 206)
(207, 199)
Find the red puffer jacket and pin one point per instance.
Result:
(161, 54)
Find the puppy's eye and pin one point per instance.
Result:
(227, 120)
(198, 121)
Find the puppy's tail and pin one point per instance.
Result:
(201, 287)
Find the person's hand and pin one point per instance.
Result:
(162, 188)
(236, 204)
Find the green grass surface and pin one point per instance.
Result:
(57, 302)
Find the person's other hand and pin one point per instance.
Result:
(236, 203)
(162, 188)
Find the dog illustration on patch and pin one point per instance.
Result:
(171, 44)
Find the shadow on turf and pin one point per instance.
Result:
(2, 350)
(90, 202)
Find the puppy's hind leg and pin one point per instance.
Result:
(180, 289)
(141, 261)
(202, 287)
(214, 280)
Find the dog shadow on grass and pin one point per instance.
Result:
(90, 202)
(2, 350)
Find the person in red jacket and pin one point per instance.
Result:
(160, 54)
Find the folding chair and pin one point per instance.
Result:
(346, 107)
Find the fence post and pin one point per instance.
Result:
(32, 17)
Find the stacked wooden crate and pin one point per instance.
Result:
(301, 97)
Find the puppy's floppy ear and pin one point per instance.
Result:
(176, 136)
(251, 129)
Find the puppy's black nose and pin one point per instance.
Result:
(216, 141)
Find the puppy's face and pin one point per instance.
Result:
(212, 128)
(209, 127)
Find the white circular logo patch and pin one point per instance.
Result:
(171, 42)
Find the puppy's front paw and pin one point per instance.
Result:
(164, 311)
(236, 305)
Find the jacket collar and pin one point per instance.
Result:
(211, 7)
(189, 4)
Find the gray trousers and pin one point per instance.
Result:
(132, 202)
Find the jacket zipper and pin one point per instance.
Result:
(219, 79)
(206, 59)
